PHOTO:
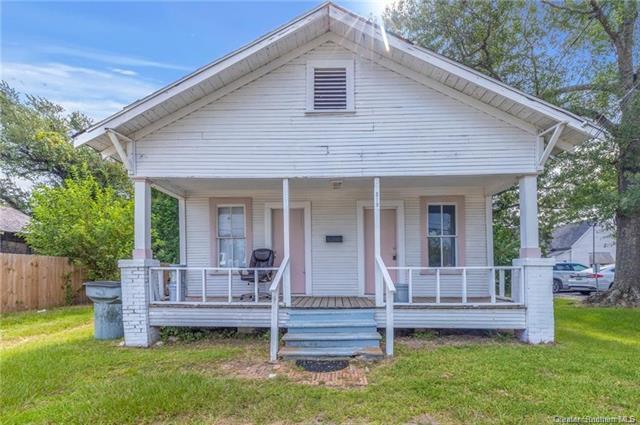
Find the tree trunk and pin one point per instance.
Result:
(626, 288)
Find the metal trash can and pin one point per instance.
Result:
(107, 308)
(402, 293)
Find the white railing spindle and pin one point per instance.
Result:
(492, 285)
(229, 287)
(255, 286)
(410, 287)
(178, 285)
(204, 285)
(437, 286)
(501, 282)
(464, 286)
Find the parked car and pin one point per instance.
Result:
(587, 279)
(562, 273)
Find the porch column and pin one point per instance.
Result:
(136, 295)
(529, 245)
(376, 241)
(142, 219)
(286, 293)
(537, 273)
(182, 229)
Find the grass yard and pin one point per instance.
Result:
(52, 371)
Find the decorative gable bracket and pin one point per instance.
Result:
(555, 131)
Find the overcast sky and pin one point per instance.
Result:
(97, 57)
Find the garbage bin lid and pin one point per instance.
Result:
(104, 283)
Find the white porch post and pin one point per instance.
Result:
(286, 294)
(537, 272)
(182, 229)
(376, 240)
(142, 219)
(488, 202)
(135, 276)
(529, 245)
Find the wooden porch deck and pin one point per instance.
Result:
(332, 302)
(299, 302)
(320, 302)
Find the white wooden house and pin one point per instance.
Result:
(365, 162)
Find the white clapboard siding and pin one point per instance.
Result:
(399, 127)
(334, 212)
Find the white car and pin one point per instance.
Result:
(585, 281)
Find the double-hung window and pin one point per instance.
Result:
(442, 236)
(231, 235)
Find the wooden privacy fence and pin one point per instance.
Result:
(29, 282)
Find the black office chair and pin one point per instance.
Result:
(260, 258)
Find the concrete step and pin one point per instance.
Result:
(323, 353)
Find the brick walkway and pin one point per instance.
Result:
(355, 375)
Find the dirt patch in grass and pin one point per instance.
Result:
(250, 363)
(423, 420)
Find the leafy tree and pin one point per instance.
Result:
(580, 55)
(165, 233)
(36, 148)
(82, 220)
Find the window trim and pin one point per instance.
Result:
(441, 236)
(214, 205)
(459, 202)
(348, 64)
(244, 227)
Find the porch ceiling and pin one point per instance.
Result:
(186, 187)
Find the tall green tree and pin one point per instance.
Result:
(36, 148)
(582, 55)
(36, 152)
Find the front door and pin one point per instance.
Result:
(388, 248)
(297, 251)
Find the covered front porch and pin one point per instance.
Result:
(417, 252)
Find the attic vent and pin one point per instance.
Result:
(329, 89)
(330, 86)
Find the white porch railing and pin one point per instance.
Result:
(389, 290)
(274, 289)
(505, 284)
(224, 284)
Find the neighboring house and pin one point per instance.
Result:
(12, 222)
(383, 156)
(575, 242)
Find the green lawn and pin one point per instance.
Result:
(52, 371)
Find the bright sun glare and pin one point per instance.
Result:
(379, 7)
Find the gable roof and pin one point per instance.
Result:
(452, 78)
(565, 236)
(12, 220)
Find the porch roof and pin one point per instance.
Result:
(186, 187)
(209, 82)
